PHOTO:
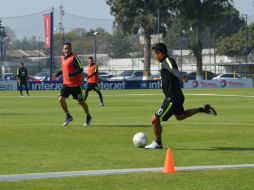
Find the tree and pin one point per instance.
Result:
(121, 44)
(134, 15)
(103, 41)
(233, 46)
(25, 43)
(178, 28)
(229, 23)
(83, 41)
(7, 40)
(200, 14)
(236, 45)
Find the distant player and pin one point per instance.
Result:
(72, 83)
(22, 78)
(92, 80)
(174, 98)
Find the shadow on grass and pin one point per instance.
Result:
(123, 105)
(123, 125)
(218, 149)
(12, 114)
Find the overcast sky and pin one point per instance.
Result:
(84, 8)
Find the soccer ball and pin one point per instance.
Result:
(140, 140)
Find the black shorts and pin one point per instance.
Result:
(169, 108)
(92, 86)
(76, 92)
(22, 82)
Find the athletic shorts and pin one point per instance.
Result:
(76, 92)
(92, 86)
(22, 82)
(169, 108)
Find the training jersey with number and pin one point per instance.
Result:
(92, 73)
(170, 76)
(22, 74)
(71, 71)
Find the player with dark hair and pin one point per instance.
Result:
(174, 98)
(22, 78)
(92, 80)
(72, 83)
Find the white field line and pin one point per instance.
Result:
(112, 95)
(32, 176)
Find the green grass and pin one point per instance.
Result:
(32, 140)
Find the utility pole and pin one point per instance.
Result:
(39, 49)
(246, 43)
(95, 45)
(51, 44)
(60, 26)
(214, 51)
(181, 50)
(2, 36)
(158, 27)
(158, 32)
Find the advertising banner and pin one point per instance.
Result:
(104, 85)
(121, 85)
(232, 83)
(118, 85)
(47, 29)
(45, 85)
(7, 85)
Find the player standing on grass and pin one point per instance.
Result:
(92, 80)
(22, 78)
(174, 98)
(72, 83)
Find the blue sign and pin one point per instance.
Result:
(45, 85)
(104, 85)
(120, 85)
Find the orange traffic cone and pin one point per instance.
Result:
(169, 163)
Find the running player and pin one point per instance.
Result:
(72, 83)
(22, 78)
(93, 80)
(174, 98)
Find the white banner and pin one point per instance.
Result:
(232, 83)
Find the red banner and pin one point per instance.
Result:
(47, 29)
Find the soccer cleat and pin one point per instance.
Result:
(154, 145)
(67, 121)
(209, 110)
(101, 104)
(88, 121)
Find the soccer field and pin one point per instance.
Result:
(33, 140)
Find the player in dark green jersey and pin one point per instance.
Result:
(174, 98)
(22, 78)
